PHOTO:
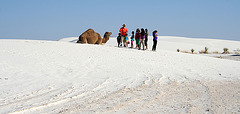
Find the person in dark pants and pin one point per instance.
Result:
(119, 40)
(146, 38)
(132, 39)
(142, 39)
(154, 40)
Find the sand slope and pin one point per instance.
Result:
(62, 76)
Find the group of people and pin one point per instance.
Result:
(141, 37)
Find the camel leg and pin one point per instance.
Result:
(99, 41)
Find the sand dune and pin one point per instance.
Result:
(64, 77)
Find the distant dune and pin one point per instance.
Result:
(172, 43)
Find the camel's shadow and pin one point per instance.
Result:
(74, 41)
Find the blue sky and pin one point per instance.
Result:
(55, 19)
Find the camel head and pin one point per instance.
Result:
(106, 37)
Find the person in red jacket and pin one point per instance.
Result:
(123, 31)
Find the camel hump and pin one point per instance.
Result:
(89, 32)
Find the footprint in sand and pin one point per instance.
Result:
(3, 78)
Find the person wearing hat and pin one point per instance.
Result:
(123, 31)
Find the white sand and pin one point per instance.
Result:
(62, 76)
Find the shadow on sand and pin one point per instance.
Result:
(235, 55)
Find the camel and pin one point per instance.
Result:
(91, 37)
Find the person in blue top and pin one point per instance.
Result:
(155, 37)
(126, 40)
(132, 39)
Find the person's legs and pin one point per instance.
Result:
(137, 43)
(146, 44)
(143, 43)
(131, 43)
(122, 39)
(153, 48)
(118, 41)
(154, 45)
(139, 47)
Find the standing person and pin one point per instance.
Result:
(137, 37)
(154, 40)
(142, 39)
(146, 38)
(127, 40)
(123, 32)
(132, 39)
(119, 40)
